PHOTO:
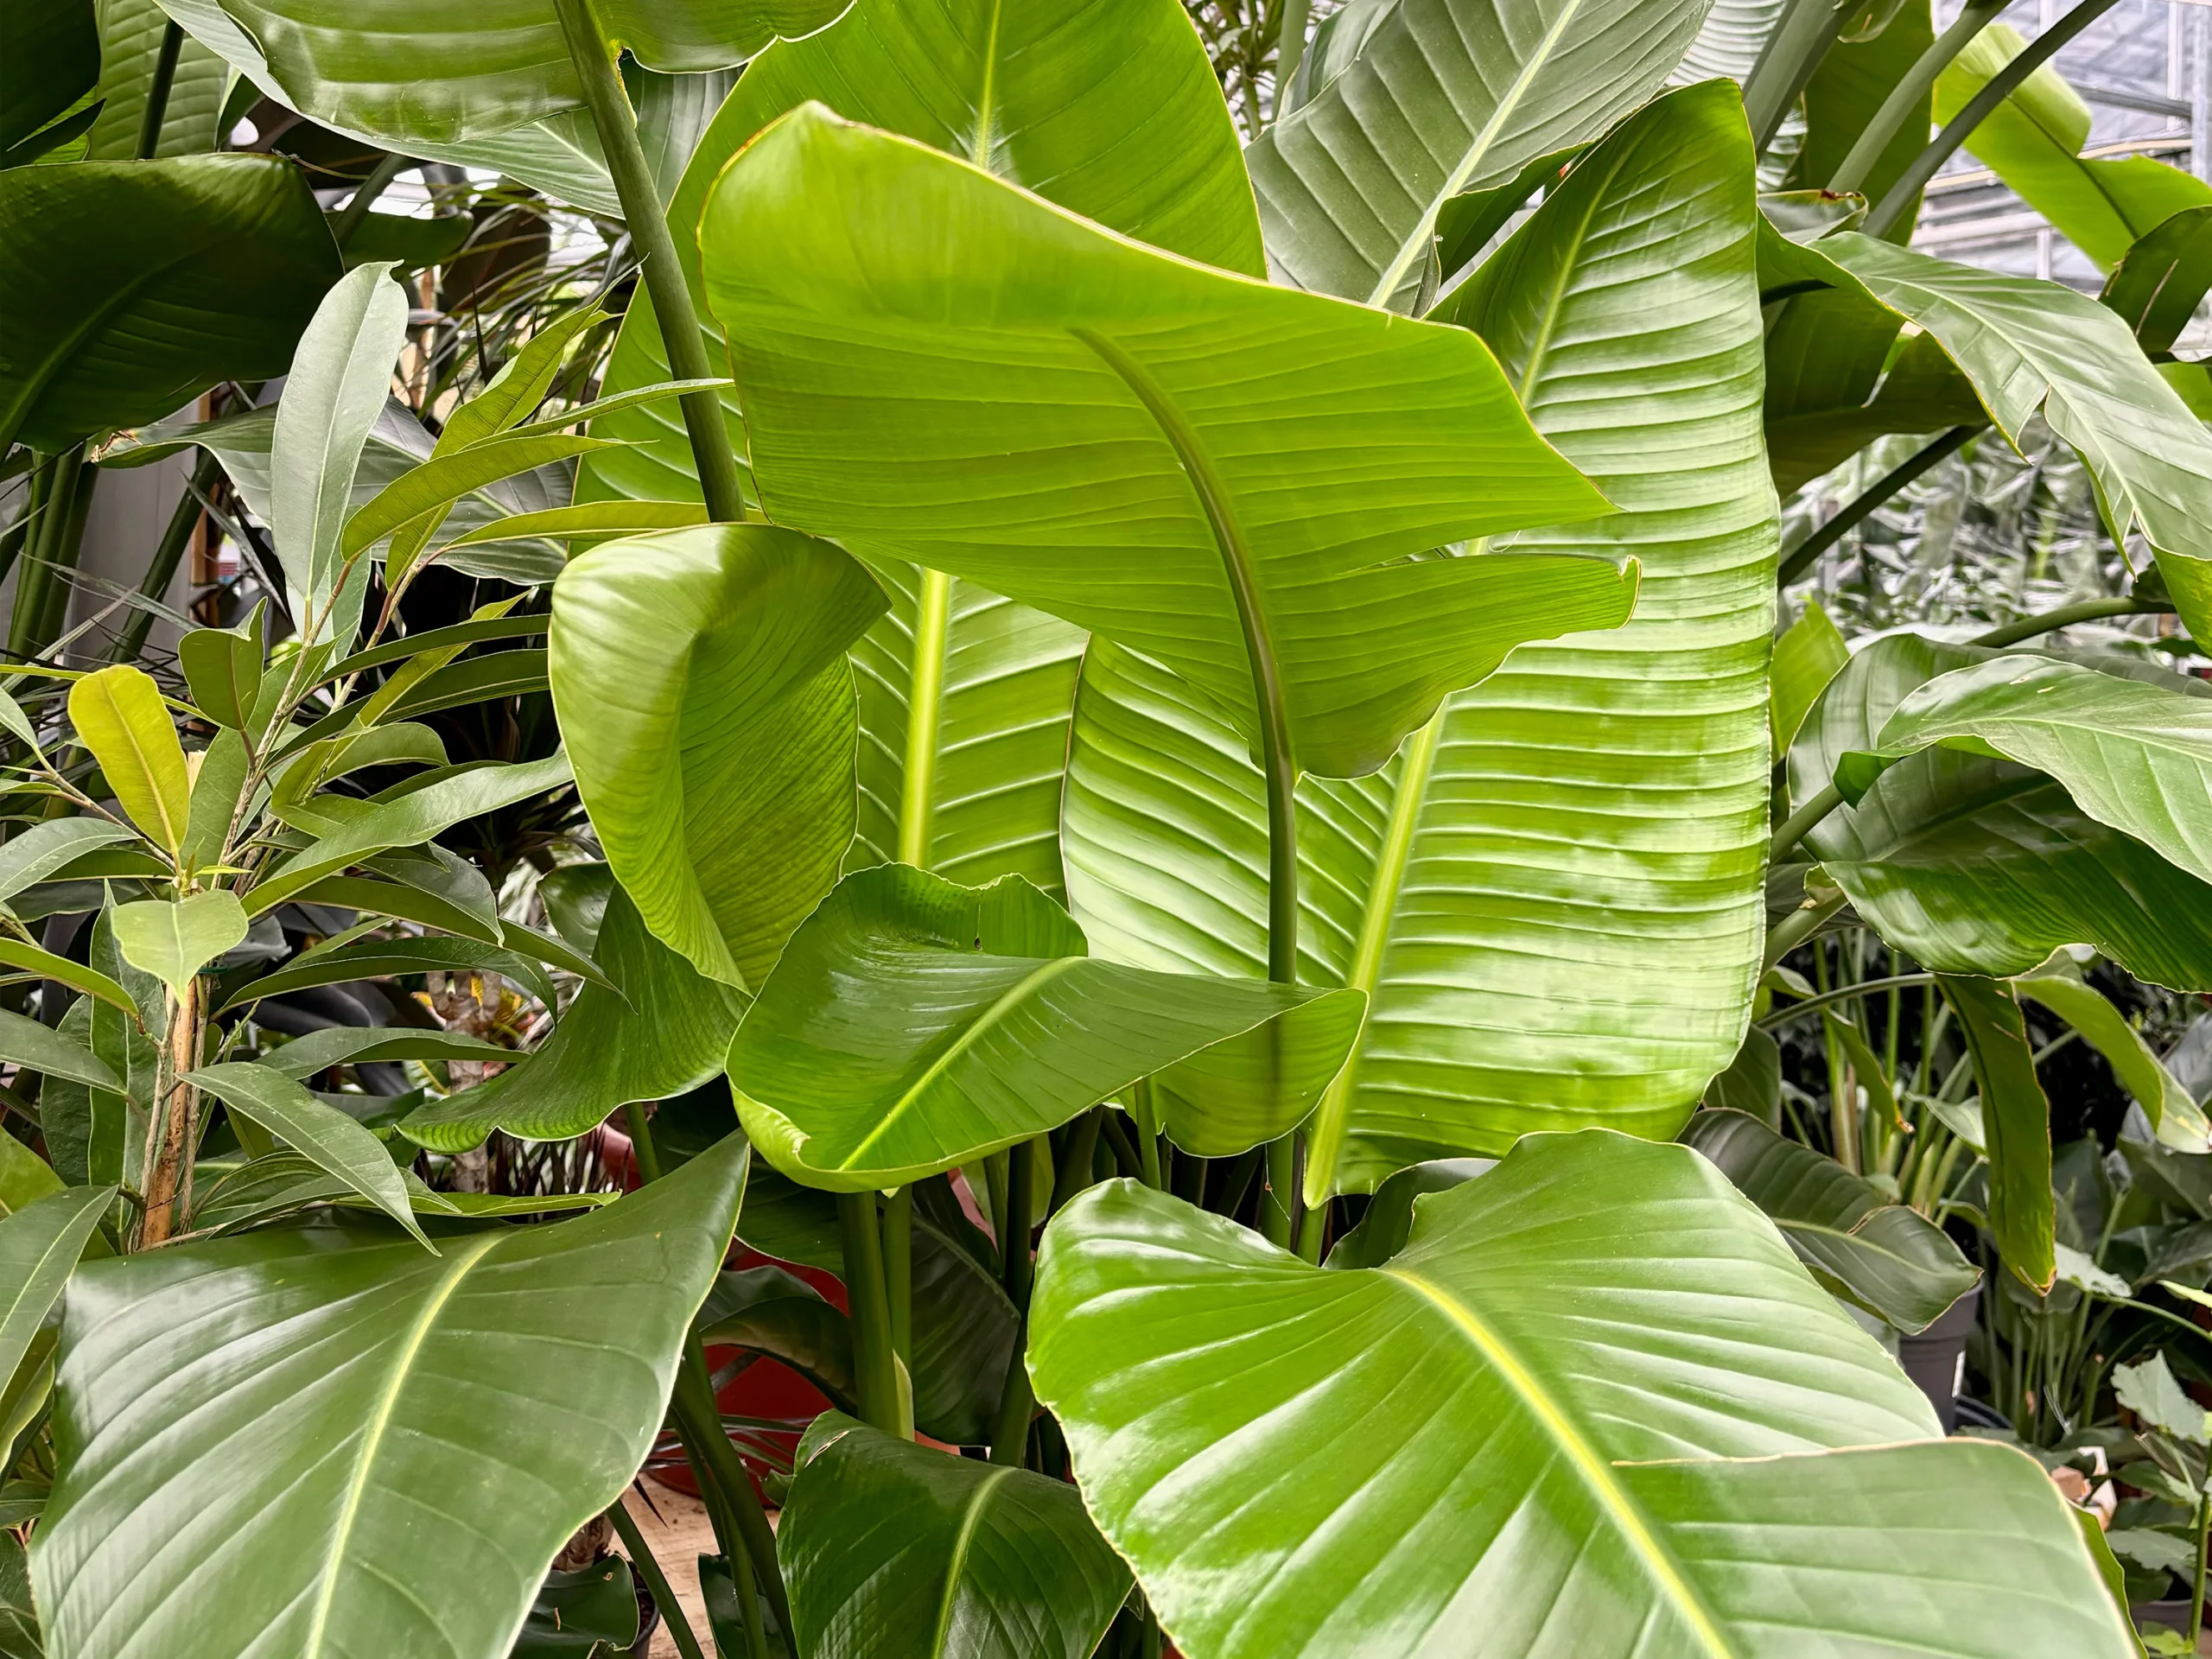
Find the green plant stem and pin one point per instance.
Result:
(874, 1356)
(1148, 1134)
(160, 571)
(1787, 64)
(1117, 1137)
(1017, 1403)
(899, 1272)
(1842, 994)
(1072, 1172)
(1799, 926)
(1290, 48)
(356, 207)
(747, 1538)
(2090, 610)
(1799, 824)
(157, 92)
(54, 545)
(656, 1584)
(1961, 126)
(1907, 95)
(35, 492)
(1799, 558)
(663, 273)
(2197, 1579)
(1278, 1219)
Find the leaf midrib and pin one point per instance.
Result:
(965, 1039)
(379, 1422)
(961, 1545)
(1618, 1503)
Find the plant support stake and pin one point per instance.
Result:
(663, 273)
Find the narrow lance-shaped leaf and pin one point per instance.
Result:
(303, 1057)
(36, 852)
(1972, 865)
(2016, 1119)
(2134, 756)
(1159, 437)
(39, 1047)
(701, 684)
(1445, 96)
(914, 1026)
(2174, 1114)
(149, 283)
(121, 719)
(894, 1547)
(416, 1438)
(324, 1135)
(1890, 1259)
(1512, 896)
(1525, 1377)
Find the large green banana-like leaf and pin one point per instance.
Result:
(965, 701)
(2033, 142)
(2029, 345)
(1111, 110)
(2133, 755)
(665, 1030)
(407, 70)
(1889, 1260)
(559, 154)
(893, 1548)
(52, 49)
(1461, 1451)
(1552, 931)
(2157, 285)
(1447, 96)
(939, 367)
(2173, 1111)
(378, 1450)
(1108, 107)
(132, 286)
(130, 47)
(39, 1243)
(914, 1026)
(700, 679)
(1972, 865)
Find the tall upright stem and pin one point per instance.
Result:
(899, 1272)
(169, 1180)
(663, 272)
(1017, 1403)
(870, 1310)
(656, 1584)
(1905, 96)
(51, 547)
(1290, 49)
(1961, 126)
(1799, 558)
(1792, 53)
(157, 93)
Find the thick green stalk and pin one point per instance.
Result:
(157, 94)
(2196, 1585)
(160, 571)
(364, 197)
(1843, 994)
(2090, 610)
(1905, 96)
(899, 1272)
(1792, 54)
(52, 546)
(656, 1584)
(1961, 126)
(1798, 926)
(1799, 824)
(741, 1525)
(1799, 558)
(1071, 1172)
(873, 1356)
(1290, 48)
(663, 273)
(1279, 1204)
(1010, 1434)
(35, 492)
(1148, 1134)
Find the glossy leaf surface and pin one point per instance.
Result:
(1442, 97)
(173, 942)
(663, 1028)
(130, 49)
(2157, 285)
(894, 1548)
(701, 680)
(2015, 1122)
(904, 327)
(1552, 1332)
(39, 1243)
(1502, 886)
(1889, 1260)
(1977, 866)
(137, 285)
(914, 1026)
(120, 717)
(413, 1437)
